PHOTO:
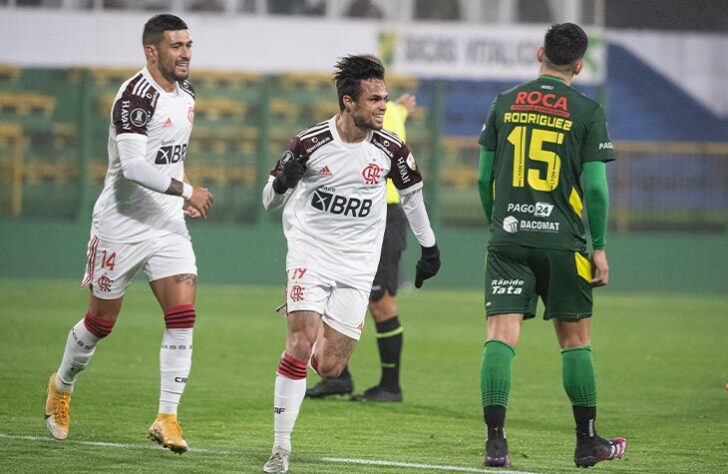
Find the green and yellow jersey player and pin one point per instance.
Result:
(539, 140)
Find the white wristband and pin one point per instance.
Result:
(187, 190)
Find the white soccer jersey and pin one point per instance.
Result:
(334, 219)
(126, 211)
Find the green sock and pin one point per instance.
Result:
(578, 376)
(495, 373)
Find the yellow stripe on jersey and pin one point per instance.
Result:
(583, 266)
(394, 119)
(575, 202)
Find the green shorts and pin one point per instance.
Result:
(516, 276)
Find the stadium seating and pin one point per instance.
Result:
(306, 82)
(12, 148)
(9, 74)
(54, 129)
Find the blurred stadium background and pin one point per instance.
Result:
(261, 70)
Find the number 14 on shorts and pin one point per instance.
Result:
(108, 260)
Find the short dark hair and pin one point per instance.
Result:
(156, 26)
(353, 69)
(564, 44)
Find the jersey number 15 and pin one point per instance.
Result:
(519, 139)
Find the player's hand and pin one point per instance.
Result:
(190, 211)
(600, 268)
(409, 101)
(289, 176)
(201, 201)
(428, 265)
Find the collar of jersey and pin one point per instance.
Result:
(148, 76)
(551, 78)
(337, 138)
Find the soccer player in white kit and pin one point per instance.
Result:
(138, 224)
(331, 182)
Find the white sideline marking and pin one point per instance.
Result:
(365, 462)
(439, 467)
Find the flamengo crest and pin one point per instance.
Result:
(371, 173)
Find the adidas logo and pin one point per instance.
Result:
(325, 171)
(167, 123)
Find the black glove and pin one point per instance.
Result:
(428, 265)
(289, 176)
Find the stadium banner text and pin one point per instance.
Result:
(457, 52)
(275, 45)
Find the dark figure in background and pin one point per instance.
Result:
(437, 10)
(364, 9)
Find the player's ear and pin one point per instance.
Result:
(578, 66)
(539, 54)
(151, 52)
(348, 102)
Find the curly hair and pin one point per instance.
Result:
(353, 69)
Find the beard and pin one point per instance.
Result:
(172, 75)
(367, 124)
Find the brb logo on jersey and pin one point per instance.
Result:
(171, 154)
(372, 173)
(335, 204)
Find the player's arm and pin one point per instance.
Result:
(132, 151)
(413, 205)
(396, 114)
(485, 181)
(596, 197)
(284, 177)
(488, 141)
(597, 150)
(408, 180)
(131, 143)
(272, 199)
(189, 210)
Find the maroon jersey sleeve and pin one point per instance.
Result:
(133, 111)
(295, 150)
(404, 172)
(303, 145)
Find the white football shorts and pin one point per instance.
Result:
(112, 266)
(343, 308)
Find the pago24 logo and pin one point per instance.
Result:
(540, 209)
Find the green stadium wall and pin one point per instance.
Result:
(255, 255)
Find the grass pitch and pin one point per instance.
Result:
(661, 365)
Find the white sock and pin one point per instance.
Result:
(287, 402)
(80, 346)
(175, 361)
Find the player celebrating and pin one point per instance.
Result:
(538, 140)
(382, 299)
(138, 224)
(331, 181)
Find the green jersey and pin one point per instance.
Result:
(542, 132)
